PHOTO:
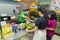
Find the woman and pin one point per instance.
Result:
(40, 27)
(51, 26)
(23, 16)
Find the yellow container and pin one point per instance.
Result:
(33, 9)
(6, 28)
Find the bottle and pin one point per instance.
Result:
(14, 28)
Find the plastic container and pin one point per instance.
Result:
(14, 28)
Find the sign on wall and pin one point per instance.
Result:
(24, 5)
(34, 5)
(55, 6)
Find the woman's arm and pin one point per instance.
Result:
(52, 29)
(24, 16)
(53, 26)
(32, 30)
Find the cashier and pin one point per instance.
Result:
(23, 16)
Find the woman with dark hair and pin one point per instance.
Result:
(44, 12)
(40, 26)
(51, 26)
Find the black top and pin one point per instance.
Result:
(41, 23)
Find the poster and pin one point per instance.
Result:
(24, 5)
(55, 6)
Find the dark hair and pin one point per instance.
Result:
(43, 11)
(26, 9)
(53, 15)
(41, 23)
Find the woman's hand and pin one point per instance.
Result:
(27, 30)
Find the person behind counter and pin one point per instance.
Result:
(23, 16)
(40, 26)
(16, 11)
(51, 26)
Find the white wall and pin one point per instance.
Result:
(7, 8)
